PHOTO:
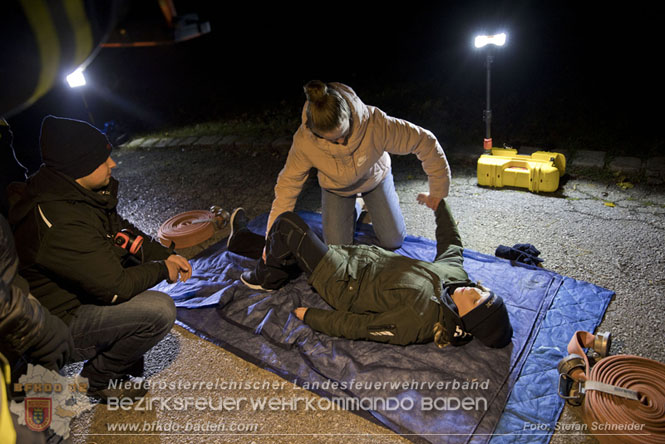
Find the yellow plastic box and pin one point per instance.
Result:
(538, 172)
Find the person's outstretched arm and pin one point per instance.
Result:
(449, 246)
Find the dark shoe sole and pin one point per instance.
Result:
(232, 223)
(254, 286)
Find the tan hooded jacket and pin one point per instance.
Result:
(363, 162)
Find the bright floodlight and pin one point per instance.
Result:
(76, 78)
(497, 39)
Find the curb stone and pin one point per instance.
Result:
(655, 170)
(176, 142)
(463, 153)
(189, 141)
(282, 145)
(133, 143)
(208, 140)
(229, 140)
(263, 142)
(282, 141)
(149, 142)
(585, 158)
(245, 142)
(161, 143)
(628, 165)
(656, 164)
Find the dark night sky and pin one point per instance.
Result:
(582, 61)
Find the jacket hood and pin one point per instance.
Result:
(49, 185)
(359, 117)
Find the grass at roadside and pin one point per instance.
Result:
(268, 124)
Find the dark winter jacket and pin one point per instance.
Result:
(21, 318)
(25, 326)
(65, 240)
(386, 297)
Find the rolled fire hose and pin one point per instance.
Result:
(192, 227)
(624, 395)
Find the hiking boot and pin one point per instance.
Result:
(249, 278)
(237, 222)
(131, 388)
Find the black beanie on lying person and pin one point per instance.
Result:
(489, 322)
(72, 147)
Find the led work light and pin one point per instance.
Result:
(496, 39)
(76, 79)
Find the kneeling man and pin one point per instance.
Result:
(86, 264)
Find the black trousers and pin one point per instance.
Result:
(291, 248)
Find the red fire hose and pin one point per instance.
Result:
(192, 227)
(624, 395)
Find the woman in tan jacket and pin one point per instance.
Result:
(349, 143)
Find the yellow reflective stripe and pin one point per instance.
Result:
(6, 370)
(37, 14)
(81, 26)
(7, 432)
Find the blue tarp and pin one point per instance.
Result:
(453, 395)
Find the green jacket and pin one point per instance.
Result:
(65, 240)
(383, 296)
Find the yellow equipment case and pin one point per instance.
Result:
(538, 172)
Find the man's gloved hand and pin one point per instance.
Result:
(54, 345)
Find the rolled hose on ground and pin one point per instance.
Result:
(640, 421)
(192, 227)
(612, 417)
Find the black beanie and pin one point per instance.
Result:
(489, 322)
(72, 147)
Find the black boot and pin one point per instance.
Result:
(241, 240)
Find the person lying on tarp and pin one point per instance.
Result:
(377, 294)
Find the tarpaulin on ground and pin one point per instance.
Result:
(453, 395)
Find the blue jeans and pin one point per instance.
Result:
(112, 338)
(340, 215)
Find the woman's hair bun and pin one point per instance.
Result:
(316, 91)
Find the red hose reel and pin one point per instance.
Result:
(192, 227)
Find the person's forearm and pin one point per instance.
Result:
(397, 326)
(448, 240)
(135, 280)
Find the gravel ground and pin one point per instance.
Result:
(590, 230)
